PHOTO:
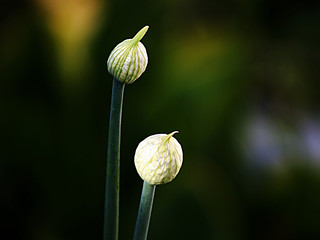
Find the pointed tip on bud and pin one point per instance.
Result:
(137, 38)
(171, 134)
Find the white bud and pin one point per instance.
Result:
(129, 59)
(158, 158)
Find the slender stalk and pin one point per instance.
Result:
(111, 212)
(144, 213)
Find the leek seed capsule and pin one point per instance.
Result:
(129, 59)
(158, 158)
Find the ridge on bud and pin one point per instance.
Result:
(158, 158)
(129, 59)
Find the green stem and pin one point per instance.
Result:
(111, 213)
(144, 213)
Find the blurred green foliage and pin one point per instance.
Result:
(238, 79)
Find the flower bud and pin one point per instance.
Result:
(129, 59)
(158, 158)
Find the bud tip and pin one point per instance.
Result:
(140, 34)
(171, 134)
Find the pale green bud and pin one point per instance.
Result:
(129, 59)
(158, 158)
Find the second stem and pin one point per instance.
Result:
(144, 213)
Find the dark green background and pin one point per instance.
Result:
(238, 79)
